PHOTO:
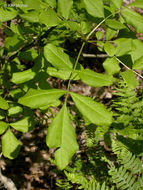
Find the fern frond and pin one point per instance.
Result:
(85, 184)
(130, 161)
(139, 184)
(126, 158)
(78, 179)
(122, 178)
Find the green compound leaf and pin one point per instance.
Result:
(61, 135)
(39, 98)
(3, 104)
(64, 7)
(134, 19)
(24, 76)
(7, 14)
(138, 64)
(10, 145)
(22, 125)
(130, 79)
(111, 66)
(94, 79)
(95, 112)
(3, 127)
(95, 8)
(117, 3)
(109, 49)
(57, 57)
(137, 3)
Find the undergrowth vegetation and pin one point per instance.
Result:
(51, 50)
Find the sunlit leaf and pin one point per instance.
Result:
(3, 127)
(61, 135)
(64, 7)
(49, 18)
(111, 66)
(14, 110)
(95, 8)
(109, 49)
(129, 78)
(138, 64)
(94, 79)
(3, 104)
(137, 3)
(57, 57)
(22, 125)
(134, 19)
(117, 3)
(39, 98)
(95, 112)
(24, 76)
(10, 145)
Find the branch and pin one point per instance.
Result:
(105, 55)
(128, 67)
(6, 182)
(95, 55)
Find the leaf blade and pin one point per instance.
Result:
(39, 98)
(10, 145)
(64, 7)
(134, 19)
(49, 18)
(137, 3)
(109, 49)
(3, 104)
(111, 66)
(56, 57)
(3, 127)
(138, 64)
(22, 125)
(94, 8)
(95, 112)
(118, 3)
(94, 79)
(24, 76)
(129, 78)
(64, 138)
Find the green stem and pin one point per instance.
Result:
(80, 52)
(77, 59)
(94, 29)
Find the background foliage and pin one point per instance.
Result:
(47, 51)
